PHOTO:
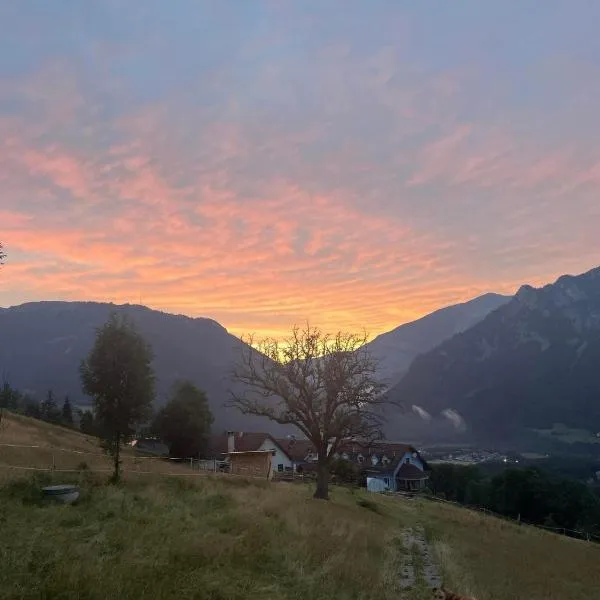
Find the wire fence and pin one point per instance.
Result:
(573, 533)
(101, 462)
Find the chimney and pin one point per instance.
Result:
(230, 441)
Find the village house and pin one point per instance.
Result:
(388, 466)
(302, 453)
(223, 447)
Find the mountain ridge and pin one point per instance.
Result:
(396, 349)
(528, 364)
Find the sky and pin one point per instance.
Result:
(354, 164)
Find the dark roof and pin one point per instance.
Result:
(407, 471)
(297, 450)
(378, 447)
(244, 442)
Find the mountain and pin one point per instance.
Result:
(396, 349)
(43, 343)
(533, 362)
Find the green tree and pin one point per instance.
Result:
(184, 422)
(86, 422)
(67, 412)
(49, 411)
(31, 408)
(345, 471)
(118, 375)
(9, 397)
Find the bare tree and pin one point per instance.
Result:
(323, 384)
(2, 254)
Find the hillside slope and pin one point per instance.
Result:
(529, 364)
(28, 444)
(43, 344)
(227, 538)
(396, 349)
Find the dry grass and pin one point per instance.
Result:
(497, 560)
(206, 538)
(228, 538)
(30, 443)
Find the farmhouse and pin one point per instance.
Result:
(223, 447)
(301, 452)
(387, 465)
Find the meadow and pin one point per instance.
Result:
(227, 538)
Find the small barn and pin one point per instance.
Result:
(251, 463)
(222, 446)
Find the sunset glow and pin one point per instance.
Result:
(263, 163)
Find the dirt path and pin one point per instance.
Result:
(420, 571)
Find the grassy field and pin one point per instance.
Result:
(230, 538)
(33, 444)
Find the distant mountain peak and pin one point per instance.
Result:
(396, 349)
(48, 340)
(532, 362)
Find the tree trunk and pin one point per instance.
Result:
(322, 491)
(117, 452)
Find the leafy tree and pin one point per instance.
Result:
(323, 385)
(31, 408)
(9, 397)
(86, 422)
(49, 411)
(67, 412)
(118, 375)
(184, 422)
(345, 471)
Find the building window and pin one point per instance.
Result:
(387, 481)
(361, 459)
(280, 467)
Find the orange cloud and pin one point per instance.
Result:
(367, 196)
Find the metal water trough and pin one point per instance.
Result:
(67, 494)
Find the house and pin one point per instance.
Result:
(222, 447)
(301, 452)
(387, 465)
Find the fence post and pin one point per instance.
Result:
(53, 462)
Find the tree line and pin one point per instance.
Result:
(47, 410)
(528, 494)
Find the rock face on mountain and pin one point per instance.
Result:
(396, 349)
(43, 343)
(533, 362)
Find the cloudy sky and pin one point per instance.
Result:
(354, 163)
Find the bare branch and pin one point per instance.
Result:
(324, 385)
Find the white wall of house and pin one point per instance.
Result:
(280, 458)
